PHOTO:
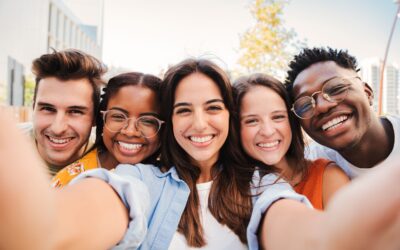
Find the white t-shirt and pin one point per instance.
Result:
(316, 150)
(216, 235)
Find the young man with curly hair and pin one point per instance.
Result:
(334, 108)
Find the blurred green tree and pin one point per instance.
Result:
(29, 87)
(268, 46)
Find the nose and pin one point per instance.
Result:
(59, 124)
(322, 104)
(267, 129)
(130, 128)
(199, 121)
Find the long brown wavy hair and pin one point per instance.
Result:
(229, 200)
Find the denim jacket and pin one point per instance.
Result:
(158, 199)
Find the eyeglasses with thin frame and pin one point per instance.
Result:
(147, 125)
(334, 90)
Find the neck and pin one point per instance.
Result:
(205, 171)
(287, 172)
(366, 153)
(107, 160)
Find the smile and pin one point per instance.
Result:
(59, 140)
(335, 122)
(129, 146)
(201, 139)
(268, 144)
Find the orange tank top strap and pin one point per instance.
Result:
(311, 185)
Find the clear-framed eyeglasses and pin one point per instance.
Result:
(334, 90)
(147, 125)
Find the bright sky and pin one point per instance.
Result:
(149, 35)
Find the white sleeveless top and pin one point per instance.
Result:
(216, 235)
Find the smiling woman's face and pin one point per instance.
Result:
(128, 145)
(200, 119)
(264, 126)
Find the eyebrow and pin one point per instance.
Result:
(119, 109)
(247, 116)
(179, 104)
(150, 114)
(69, 107)
(279, 111)
(305, 94)
(141, 114)
(44, 104)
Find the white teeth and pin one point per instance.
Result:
(130, 146)
(334, 122)
(268, 145)
(200, 139)
(59, 141)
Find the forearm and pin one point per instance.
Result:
(363, 215)
(368, 208)
(26, 210)
(289, 224)
(90, 215)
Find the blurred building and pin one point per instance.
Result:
(370, 73)
(34, 27)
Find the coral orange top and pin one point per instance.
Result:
(311, 185)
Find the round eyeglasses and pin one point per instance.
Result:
(147, 125)
(334, 90)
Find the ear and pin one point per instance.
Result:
(370, 94)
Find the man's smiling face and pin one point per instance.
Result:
(62, 119)
(338, 125)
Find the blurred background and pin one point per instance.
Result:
(242, 36)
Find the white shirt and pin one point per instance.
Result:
(216, 235)
(316, 150)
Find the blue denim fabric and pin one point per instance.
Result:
(166, 195)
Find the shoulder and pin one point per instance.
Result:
(395, 121)
(149, 173)
(138, 170)
(332, 171)
(334, 178)
(315, 150)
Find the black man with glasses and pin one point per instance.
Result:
(334, 107)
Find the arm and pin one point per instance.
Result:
(88, 215)
(363, 215)
(334, 178)
(21, 213)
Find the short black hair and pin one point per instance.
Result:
(310, 56)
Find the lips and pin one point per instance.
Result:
(268, 144)
(201, 139)
(59, 143)
(335, 122)
(129, 148)
(59, 140)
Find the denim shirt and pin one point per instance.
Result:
(164, 198)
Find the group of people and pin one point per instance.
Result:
(195, 161)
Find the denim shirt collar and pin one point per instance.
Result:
(172, 171)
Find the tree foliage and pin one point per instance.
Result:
(268, 45)
(29, 87)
